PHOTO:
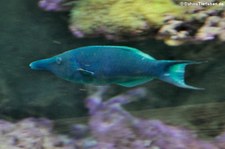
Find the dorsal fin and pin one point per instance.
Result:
(136, 51)
(129, 49)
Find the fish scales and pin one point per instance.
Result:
(112, 61)
(121, 65)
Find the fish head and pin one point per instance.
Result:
(62, 65)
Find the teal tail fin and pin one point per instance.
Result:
(174, 72)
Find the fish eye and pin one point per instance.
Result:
(58, 60)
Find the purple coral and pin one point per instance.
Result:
(31, 133)
(114, 128)
(110, 127)
(220, 141)
(55, 5)
(5, 127)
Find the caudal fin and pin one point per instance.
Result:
(175, 73)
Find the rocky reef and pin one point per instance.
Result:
(31, 133)
(175, 22)
(110, 126)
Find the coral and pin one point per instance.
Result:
(115, 128)
(31, 133)
(55, 5)
(213, 27)
(220, 141)
(200, 27)
(110, 127)
(175, 22)
(121, 15)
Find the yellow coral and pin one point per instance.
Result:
(122, 15)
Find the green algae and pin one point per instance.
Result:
(116, 15)
(123, 20)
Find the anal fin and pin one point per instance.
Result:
(135, 82)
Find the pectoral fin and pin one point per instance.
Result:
(85, 72)
(135, 82)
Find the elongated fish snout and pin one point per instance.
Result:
(39, 65)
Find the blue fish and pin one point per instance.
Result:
(121, 65)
